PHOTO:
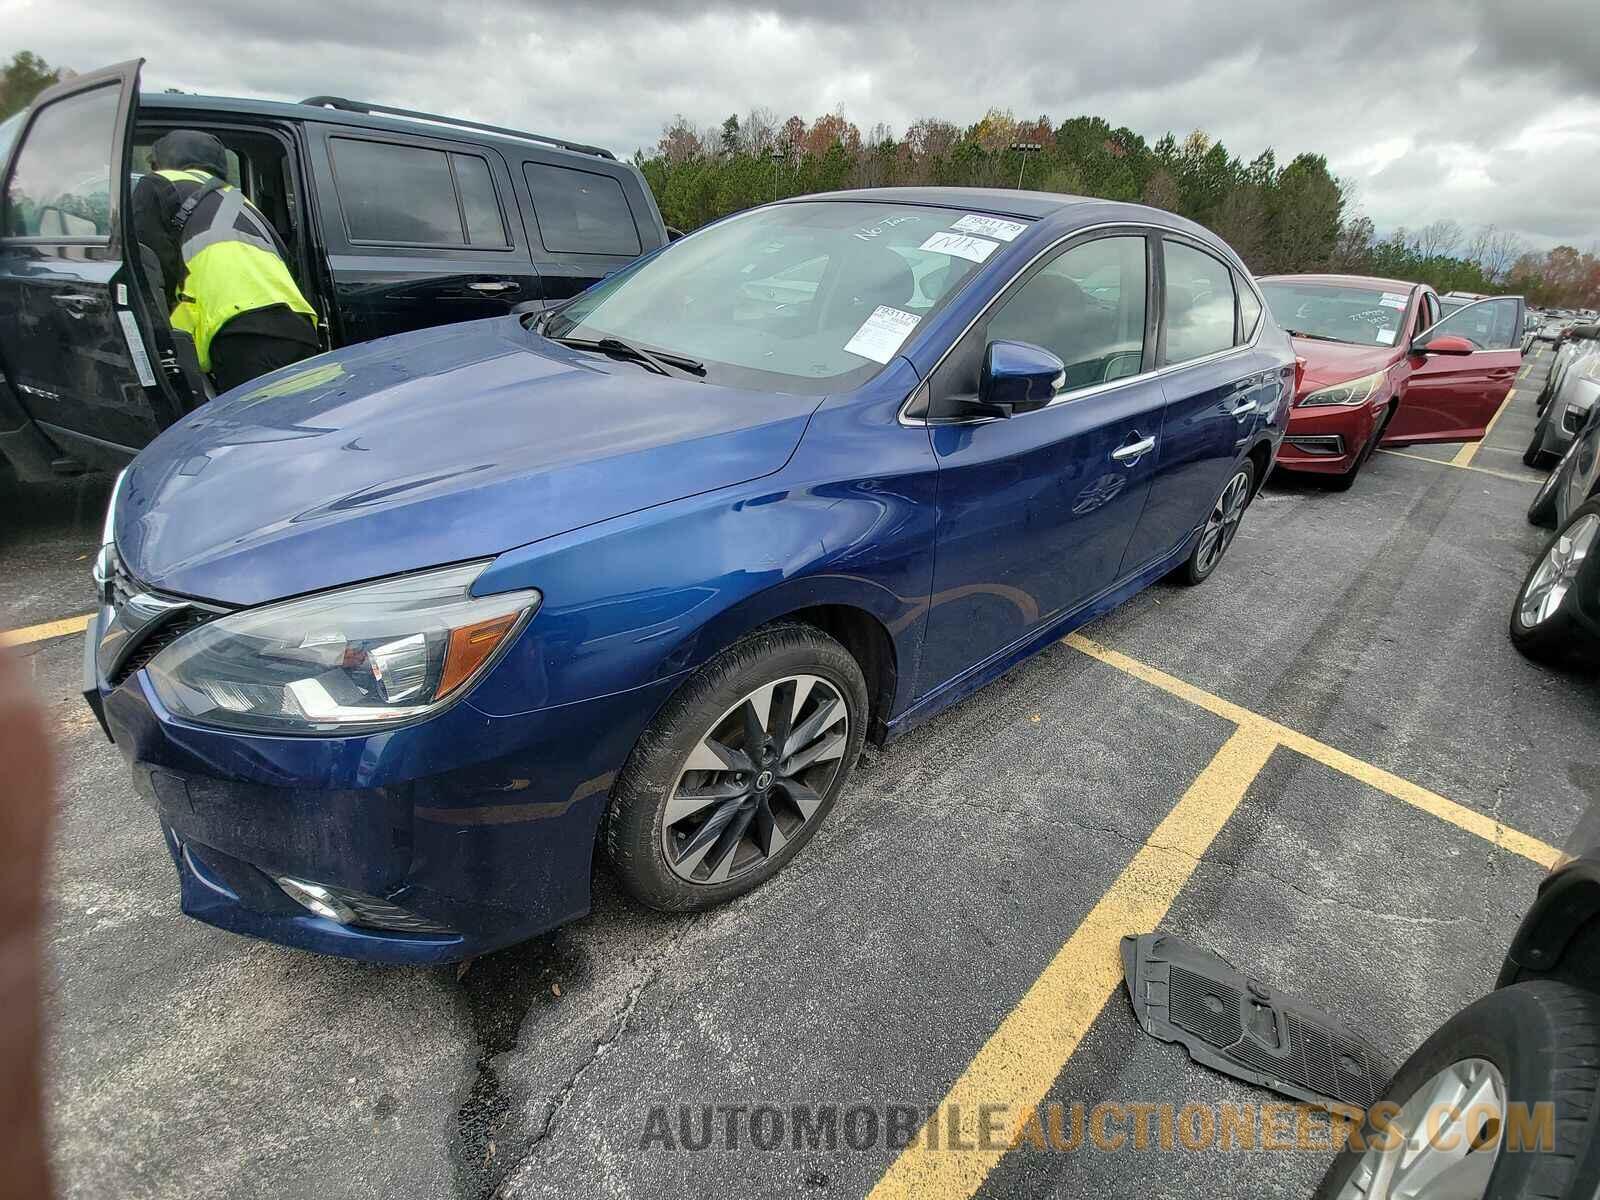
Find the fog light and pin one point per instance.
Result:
(318, 899)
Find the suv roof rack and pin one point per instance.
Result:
(362, 106)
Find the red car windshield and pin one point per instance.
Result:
(1329, 312)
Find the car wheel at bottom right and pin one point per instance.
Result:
(1556, 616)
(1499, 1104)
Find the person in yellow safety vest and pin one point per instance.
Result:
(222, 263)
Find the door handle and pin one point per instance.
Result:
(492, 287)
(1243, 408)
(1134, 451)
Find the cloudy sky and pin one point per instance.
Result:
(1481, 112)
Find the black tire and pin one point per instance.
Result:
(1558, 637)
(1544, 1039)
(633, 828)
(1542, 512)
(1201, 563)
(1536, 455)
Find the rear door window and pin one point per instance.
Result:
(479, 206)
(1199, 303)
(415, 195)
(580, 212)
(61, 185)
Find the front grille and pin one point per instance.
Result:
(157, 640)
(143, 622)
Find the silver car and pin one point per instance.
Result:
(1566, 401)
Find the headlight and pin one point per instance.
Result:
(1351, 392)
(357, 658)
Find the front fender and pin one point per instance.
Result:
(654, 594)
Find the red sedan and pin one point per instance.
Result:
(1382, 366)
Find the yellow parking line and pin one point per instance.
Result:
(1019, 1062)
(1013, 1071)
(1465, 455)
(1447, 462)
(1459, 815)
(43, 633)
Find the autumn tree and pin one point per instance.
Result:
(23, 78)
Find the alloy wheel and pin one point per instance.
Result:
(1550, 582)
(755, 778)
(1449, 1136)
(1223, 522)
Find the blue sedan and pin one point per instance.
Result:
(395, 638)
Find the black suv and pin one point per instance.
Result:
(394, 220)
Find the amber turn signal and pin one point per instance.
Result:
(469, 647)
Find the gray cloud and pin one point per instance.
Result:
(1481, 111)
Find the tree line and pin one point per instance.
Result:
(1293, 217)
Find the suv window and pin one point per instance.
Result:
(1086, 307)
(580, 212)
(61, 186)
(1199, 303)
(407, 195)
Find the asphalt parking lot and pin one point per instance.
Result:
(1328, 764)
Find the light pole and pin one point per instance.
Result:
(777, 157)
(1025, 149)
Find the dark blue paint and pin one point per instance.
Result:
(661, 518)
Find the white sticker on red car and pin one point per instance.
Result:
(880, 334)
(960, 245)
(1392, 300)
(995, 227)
(1386, 337)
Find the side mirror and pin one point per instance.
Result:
(1446, 343)
(1019, 377)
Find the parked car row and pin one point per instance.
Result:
(1556, 616)
(1568, 394)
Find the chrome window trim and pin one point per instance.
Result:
(1097, 389)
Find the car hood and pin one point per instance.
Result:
(1328, 363)
(427, 448)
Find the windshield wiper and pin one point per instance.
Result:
(653, 360)
(1315, 337)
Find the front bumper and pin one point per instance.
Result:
(484, 825)
(1327, 439)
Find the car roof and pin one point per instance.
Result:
(1034, 205)
(1362, 281)
(440, 126)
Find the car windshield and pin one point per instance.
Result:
(1362, 316)
(808, 297)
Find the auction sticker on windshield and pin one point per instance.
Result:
(880, 334)
(1392, 300)
(960, 245)
(994, 227)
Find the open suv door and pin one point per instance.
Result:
(1453, 396)
(84, 342)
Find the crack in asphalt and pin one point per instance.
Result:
(616, 1026)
